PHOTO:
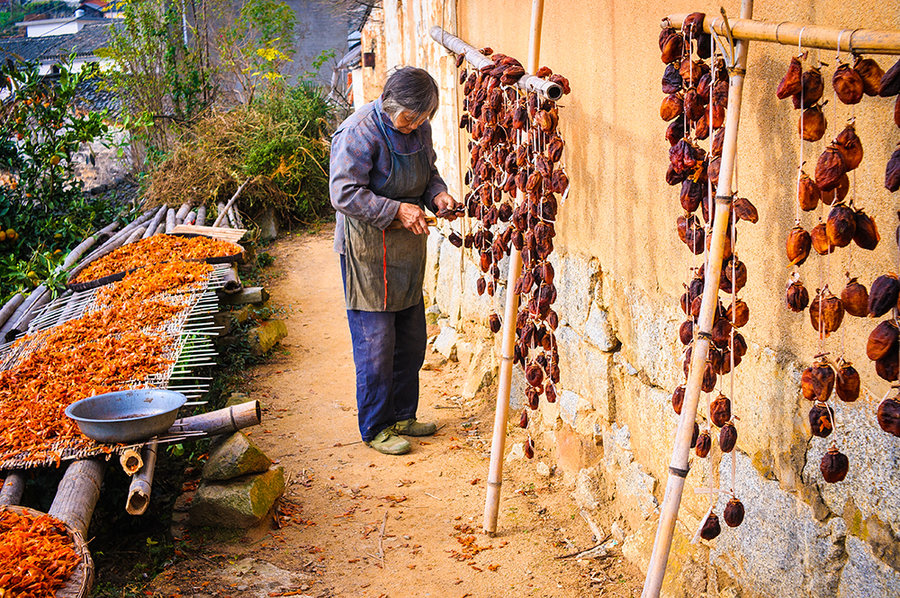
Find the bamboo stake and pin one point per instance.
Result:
(77, 493)
(232, 281)
(13, 488)
(230, 203)
(157, 219)
(861, 41)
(79, 251)
(527, 82)
(10, 308)
(201, 216)
(498, 443)
(678, 467)
(142, 482)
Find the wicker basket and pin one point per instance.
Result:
(79, 584)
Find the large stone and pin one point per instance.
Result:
(265, 336)
(584, 369)
(481, 370)
(240, 503)
(572, 407)
(445, 343)
(628, 483)
(598, 330)
(780, 549)
(236, 456)
(864, 575)
(579, 276)
(447, 294)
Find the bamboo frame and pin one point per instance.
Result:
(679, 465)
(498, 442)
(860, 41)
(528, 82)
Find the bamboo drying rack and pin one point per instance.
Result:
(738, 32)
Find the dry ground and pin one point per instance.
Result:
(358, 523)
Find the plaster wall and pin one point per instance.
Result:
(621, 270)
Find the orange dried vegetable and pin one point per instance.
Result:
(155, 250)
(37, 556)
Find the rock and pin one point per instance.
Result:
(432, 314)
(240, 503)
(598, 330)
(445, 343)
(481, 371)
(235, 457)
(864, 575)
(579, 275)
(542, 469)
(255, 295)
(516, 451)
(572, 406)
(265, 336)
(585, 492)
(268, 224)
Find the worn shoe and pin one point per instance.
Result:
(411, 427)
(389, 443)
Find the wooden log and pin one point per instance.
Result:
(190, 218)
(137, 235)
(77, 493)
(23, 310)
(182, 212)
(107, 231)
(201, 216)
(21, 326)
(142, 482)
(170, 220)
(160, 229)
(230, 203)
(233, 283)
(221, 219)
(232, 219)
(221, 421)
(131, 461)
(13, 488)
(10, 308)
(157, 219)
(245, 295)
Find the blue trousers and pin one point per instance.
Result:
(388, 352)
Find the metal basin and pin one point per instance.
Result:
(126, 415)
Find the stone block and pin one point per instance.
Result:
(572, 407)
(432, 267)
(579, 275)
(254, 295)
(265, 336)
(240, 503)
(780, 549)
(445, 343)
(586, 493)
(236, 456)
(573, 451)
(585, 370)
(432, 315)
(864, 575)
(447, 294)
(598, 330)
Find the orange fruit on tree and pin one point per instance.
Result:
(11, 234)
(2, 236)
(54, 159)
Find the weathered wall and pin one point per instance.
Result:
(620, 272)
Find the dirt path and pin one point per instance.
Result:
(358, 523)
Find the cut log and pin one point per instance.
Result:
(232, 281)
(10, 308)
(158, 218)
(79, 251)
(221, 421)
(160, 229)
(201, 216)
(170, 220)
(77, 493)
(182, 212)
(13, 488)
(26, 312)
(142, 482)
(190, 218)
(137, 235)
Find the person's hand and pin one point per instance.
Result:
(412, 217)
(446, 205)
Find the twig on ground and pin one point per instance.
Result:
(433, 496)
(381, 539)
(595, 551)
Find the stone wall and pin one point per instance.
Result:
(620, 269)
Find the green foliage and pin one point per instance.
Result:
(42, 202)
(16, 14)
(163, 72)
(257, 45)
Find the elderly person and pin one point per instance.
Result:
(382, 174)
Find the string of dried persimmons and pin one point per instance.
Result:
(514, 175)
(696, 100)
(844, 224)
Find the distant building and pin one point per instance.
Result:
(50, 41)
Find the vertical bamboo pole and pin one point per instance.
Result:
(77, 493)
(678, 467)
(142, 482)
(498, 444)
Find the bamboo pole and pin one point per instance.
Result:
(170, 220)
(498, 443)
(10, 308)
(230, 203)
(25, 313)
(136, 235)
(79, 251)
(232, 282)
(220, 210)
(131, 461)
(142, 482)
(13, 488)
(160, 215)
(678, 468)
(21, 326)
(190, 218)
(528, 82)
(182, 212)
(221, 421)
(861, 41)
(77, 493)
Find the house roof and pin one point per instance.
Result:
(86, 42)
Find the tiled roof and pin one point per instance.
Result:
(92, 37)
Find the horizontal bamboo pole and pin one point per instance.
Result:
(77, 493)
(221, 421)
(861, 41)
(79, 251)
(142, 482)
(13, 488)
(528, 82)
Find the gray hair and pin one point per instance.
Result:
(410, 89)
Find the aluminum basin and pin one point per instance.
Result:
(126, 415)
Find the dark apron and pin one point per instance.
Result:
(385, 270)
